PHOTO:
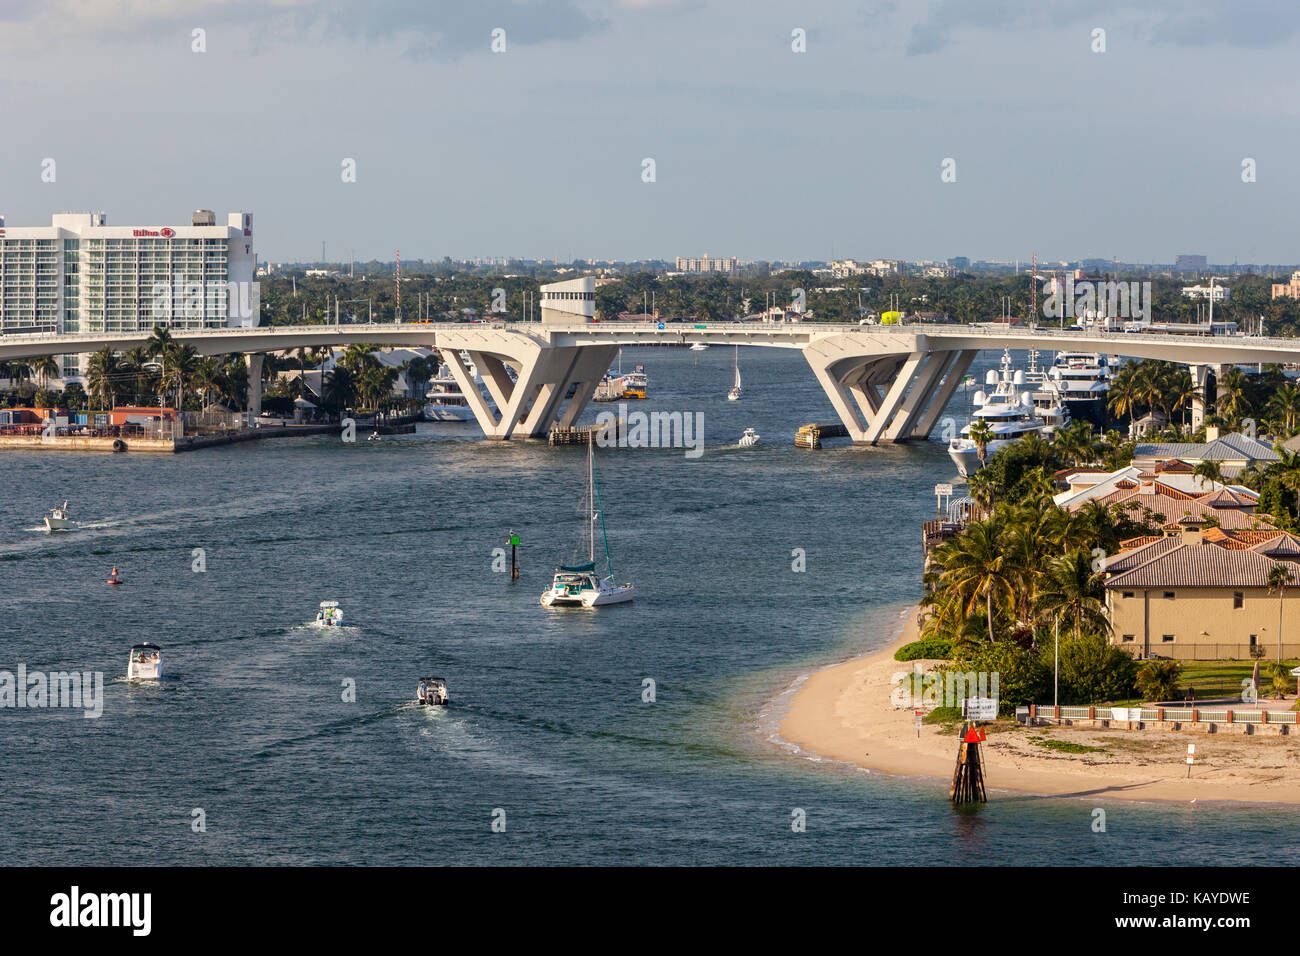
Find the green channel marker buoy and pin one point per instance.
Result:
(514, 566)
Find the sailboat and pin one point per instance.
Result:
(734, 394)
(581, 584)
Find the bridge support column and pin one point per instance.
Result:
(961, 361)
(256, 360)
(895, 397)
(1200, 375)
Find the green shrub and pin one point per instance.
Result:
(942, 715)
(1022, 677)
(1158, 680)
(1092, 670)
(930, 648)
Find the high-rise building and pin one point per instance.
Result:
(80, 274)
(705, 264)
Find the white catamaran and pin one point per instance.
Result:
(581, 584)
(734, 394)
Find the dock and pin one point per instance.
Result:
(810, 436)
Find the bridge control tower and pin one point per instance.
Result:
(573, 300)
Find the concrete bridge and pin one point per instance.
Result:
(886, 383)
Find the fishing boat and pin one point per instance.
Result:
(1009, 412)
(330, 614)
(749, 439)
(636, 383)
(734, 394)
(60, 519)
(431, 691)
(145, 662)
(581, 585)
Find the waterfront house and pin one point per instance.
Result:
(1202, 594)
(1233, 452)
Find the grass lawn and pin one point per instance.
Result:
(1224, 678)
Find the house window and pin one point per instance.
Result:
(1238, 599)
(1167, 638)
(1127, 638)
(1128, 594)
(1169, 595)
(1252, 639)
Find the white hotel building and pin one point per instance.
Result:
(80, 274)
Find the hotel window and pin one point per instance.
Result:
(1167, 638)
(1238, 599)
(1169, 595)
(1127, 638)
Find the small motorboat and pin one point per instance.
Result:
(59, 519)
(330, 614)
(749, 439)
(114, 577)
(374, 436)
(145, 662)
(699, 346)
(432, 691)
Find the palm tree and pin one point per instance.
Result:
(206, 377)
(159, 344)
(1073, 590)
(1230, 393)
(135, 362)
(102, 374)
(47, 368)
(1285, 403)
(1279, 576)
(981, 433)
(1122, 396)
(1209, 470)
(973, 568)
(183, 359)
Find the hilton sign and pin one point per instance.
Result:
(166, 232)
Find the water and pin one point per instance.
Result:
(547, 721)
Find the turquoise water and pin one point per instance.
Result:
(547, 720)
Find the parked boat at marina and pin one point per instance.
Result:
(145, 662)
(1084, 382)
(581, 584)
(445, 401)
(1009, 412)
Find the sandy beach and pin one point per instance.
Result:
(845, 713)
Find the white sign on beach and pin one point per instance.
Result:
(943, 489)
(981, 708)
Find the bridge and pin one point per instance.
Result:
(886, 383)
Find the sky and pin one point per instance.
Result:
(759, 150)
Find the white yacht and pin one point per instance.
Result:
(445, 401)
(145, 662)
(1010, 413)
(749, 439)
(581, 585)
(60, 519)
(734, 394)
(432, 691)
(329, 615)
(698, 346)
(1084, 382)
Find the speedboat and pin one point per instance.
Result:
(580, 585)
(1009, 414)
(734, 394)
(374, 436)
(145, 662)
(749, 439)
(330, 614)
(431, 690)
(59, 519)
(699, 346)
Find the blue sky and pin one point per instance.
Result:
(760, 152)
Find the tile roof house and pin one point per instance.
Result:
(1204, 595)
(1234, 452)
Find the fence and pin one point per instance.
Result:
(1191, 715)
(1238, 651)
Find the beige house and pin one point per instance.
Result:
(1203, 595)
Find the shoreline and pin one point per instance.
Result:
(842, 712)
